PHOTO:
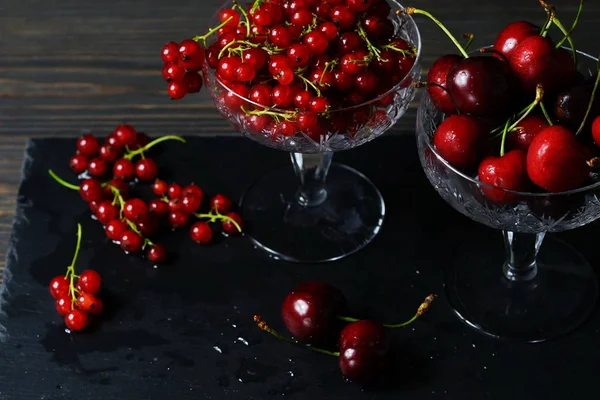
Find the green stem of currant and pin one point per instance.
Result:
(153, 143)
(329, 66)
(307, 83)
(62, 181)
(276, 115)
(412, 52)
(237, 6)
(592, 99)
(575, 23)
(211, 31)
(71, 268)
(413, 10)
(262, 324)
(372, 49)
(423, 308)
(129, 223)
(256, 5)
(214, 216)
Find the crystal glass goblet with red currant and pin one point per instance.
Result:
(310, 78)
(522, 164)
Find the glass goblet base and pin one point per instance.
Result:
(348, 218)
(559, 299)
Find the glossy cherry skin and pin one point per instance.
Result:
(309, 311)
(571, 104)
(363, 349)
(524, 133)
(438, 75)
(512, 35)
(556, 161)
(596, 130)
(459, 140)
(479, 86)
(506, 172)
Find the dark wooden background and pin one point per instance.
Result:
(73, 65)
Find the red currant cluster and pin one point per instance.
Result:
(181, 69)
(132, 222)
(77, 295)
(305, 58)
(310, 313)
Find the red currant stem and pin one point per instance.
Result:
(546, 115)
(591, 103)
(412, 52)
(256, 5)
(309, 83)
(262, 324)
(71, 268)
(214, 216)
(413, 10)
(62, 181)
(310, 27)
(423, 308)
(276, 115)
(575, 23)
(118, 198)
(503, 141)
(153, 143)
(211, 31)
(236, 5)
(329, 65)
(469, 37)
(372, 49)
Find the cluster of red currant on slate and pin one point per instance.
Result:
(311, 312)
(133, 222)
(541, 145)
(77, 295)
(285, 64)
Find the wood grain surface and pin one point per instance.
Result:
(73, 65)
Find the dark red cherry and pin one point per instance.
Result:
(309, 311)
(459, 140)
(570, 105)
(512, 35)
(596, 130)
(506, 172)
(438, 76)
(556, 161)
(524, 133)
(364, 346)
(480, 86)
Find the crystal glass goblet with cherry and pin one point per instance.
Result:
(507, 138)
(309, 78)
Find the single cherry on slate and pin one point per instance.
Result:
(459, 140)
(506, 172)
(512, 35)
(556, 161)
(524, 133)
(437, 77)
(364, 346)
(310, 310)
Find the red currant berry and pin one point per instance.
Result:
(118, 184)
(88, 145)
(307, 121)
(175, 204)
(193, 190)
(131, 241)
(158, 207)
(226, 38)
(323, 10)
(157, 253)
(93, 206)
(192, 81)
(89, 282)
(230, 15)
(190, 203)
(245, 73)
(135, 210)
(146, 169)
(322, 78)
(261, 94)
(174, 191)
(342, 81)
(343, 17)
(109, 153)
(91, 190)
(302, 99)
(170, 52)
(191, 55)
(113, 141)
(329, 30)
(285, 76)
(280, 36)
(262, 16)
(78, 163)
(173, 72)
(201, 232)
(126, 135)
(229, 226)
(353, 63)
(123, 169)
(220, 203)
(86, 301)
(319, 105)
(302, 18)
(98, 307)
(255, 57)
(348, 42)
(149, 226)
(257, 124)
(178, 219)
(106, 212)
(63, 305)
(97, 167)
(283, 96)
(299, 55)
(176, 90)
(366, 82)
(285, 128)
(76, 320)
(359, 5)
(228, 66)
(316, 41)
(159, 187)
(259, 34)
(236, 96)
(277, 62)
(59, 286)
(115, 229)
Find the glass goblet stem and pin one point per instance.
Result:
(312, 170)
(521, 255)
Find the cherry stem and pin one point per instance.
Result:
(413, 10)
(236, 5)
(575, 23)
(256, 5)
(469, 37)
(153, 143)
(546, 115)
(504, 133)
(490, 50)
(262, 324)
(547, 24)
(211, 31)
(591, 103)
(62, 181)
(554, 20)
(214, 216)
(423, 308)
(372, 49)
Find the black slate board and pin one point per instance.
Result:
(163, 326)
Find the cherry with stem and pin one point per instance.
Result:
(554, 20)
